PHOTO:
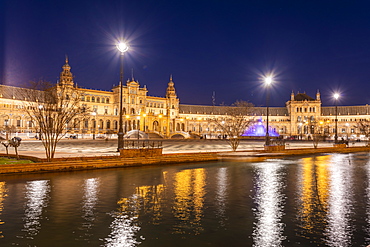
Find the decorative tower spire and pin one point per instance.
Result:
(318, 95)
(171, 92)
(292, 96)
(66, 77)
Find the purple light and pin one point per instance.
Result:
(258, 129)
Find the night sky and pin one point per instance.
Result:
(208, 46)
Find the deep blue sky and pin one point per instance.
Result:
(207, 45)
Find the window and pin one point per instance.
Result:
(107, 101)
(102, 100)
(98, 100)
(92, 99)
(105, 111)
(18, 123)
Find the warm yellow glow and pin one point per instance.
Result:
(144, 115)
(314, 193)
(122, 47)
(189, 190)
(160, 116)
(127, 116)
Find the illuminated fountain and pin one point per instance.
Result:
(259, 130)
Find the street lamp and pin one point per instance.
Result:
(336, 97)
(122, 47)
(268, 82)
(138, 127)
(94, 125)
(144, 115)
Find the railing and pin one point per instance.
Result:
(141, 144)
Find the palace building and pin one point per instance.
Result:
(165, 117)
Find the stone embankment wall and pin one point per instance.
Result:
(86, 163)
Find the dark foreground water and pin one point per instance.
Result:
(312, 201)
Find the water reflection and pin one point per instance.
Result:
(339, 230)
(189, 190)
(90, 199)
(152, 201)
(268, 230)
(221, 195)
(125, 226)
(3, 194)
(37, 195)
(312, 195)
(367, 228)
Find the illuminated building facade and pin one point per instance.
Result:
(166, 117)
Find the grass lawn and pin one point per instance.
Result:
(4, 160)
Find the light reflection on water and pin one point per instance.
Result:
(189, 192)
(367, 227)
(37, 199)
(3, 194)
(221, 196)
(295, 202)
(90, 199)
(312, 200)
(340, 228)
(268, 230)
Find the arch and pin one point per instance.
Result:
(101, 124)
(132, 111)
(93, 99)
(103, 100)
(108, 124)
(155, 125)
(98, 99)
(178, 127)
(115, 124)
(107, 101)
(180, 135)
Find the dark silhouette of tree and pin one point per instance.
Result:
(51, 107)
(234, 121)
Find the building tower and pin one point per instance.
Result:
(172, 105)
(66, 77)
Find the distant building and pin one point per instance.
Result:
(166, 117)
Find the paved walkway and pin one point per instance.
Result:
(85, 147)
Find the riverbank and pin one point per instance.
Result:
(100, 162)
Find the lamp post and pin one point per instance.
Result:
(138, 127)
(336, 97)
(122, 47)
(144, 115)
(160, 125)
(94, 125)
(268, 82)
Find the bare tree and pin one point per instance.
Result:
(234, 121)
(364, 128)
(317, 132)
(52, 107)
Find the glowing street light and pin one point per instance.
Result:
(268, 81)
(336, 97)
(122, 47)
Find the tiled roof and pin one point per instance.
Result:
(346, 110)
(302, 97)
(221, 110)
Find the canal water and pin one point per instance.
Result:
(321, 200)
